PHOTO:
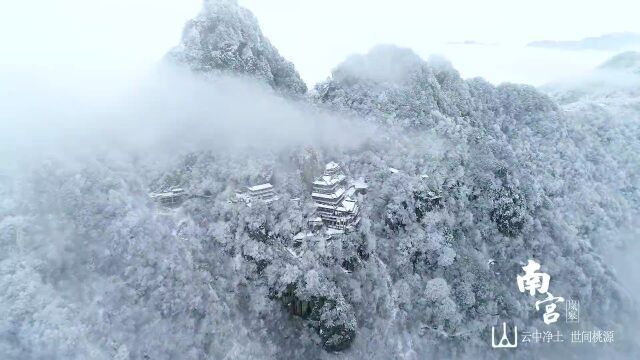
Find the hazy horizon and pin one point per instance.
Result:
(86, 37)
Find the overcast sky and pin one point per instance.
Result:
(128, 35)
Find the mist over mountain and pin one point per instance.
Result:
(603, 113)
(616, 81)
(466, 182)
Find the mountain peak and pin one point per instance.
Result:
(383, 63)
(225, 37)
(626, 61)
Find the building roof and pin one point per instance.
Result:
(331, 231)
(347, 205)
(360, 184)
(271, 199)
(167, 194)
(327, 180)
(324, 206)
(260, 187)
(332, 166)
(302, 236)
(337, 194)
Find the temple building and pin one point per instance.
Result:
(173, 197)
(335, 201)
(262, 192)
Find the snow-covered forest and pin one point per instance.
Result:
(466, 181)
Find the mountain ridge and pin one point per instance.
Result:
(225, 37)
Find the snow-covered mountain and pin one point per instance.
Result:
(226, 37)
(616, 81)
(603, 113)
(466, 181)
(626, 61)
(394, 86)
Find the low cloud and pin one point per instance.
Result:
(167, 111)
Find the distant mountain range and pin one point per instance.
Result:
(614, 41)
(470, 42)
